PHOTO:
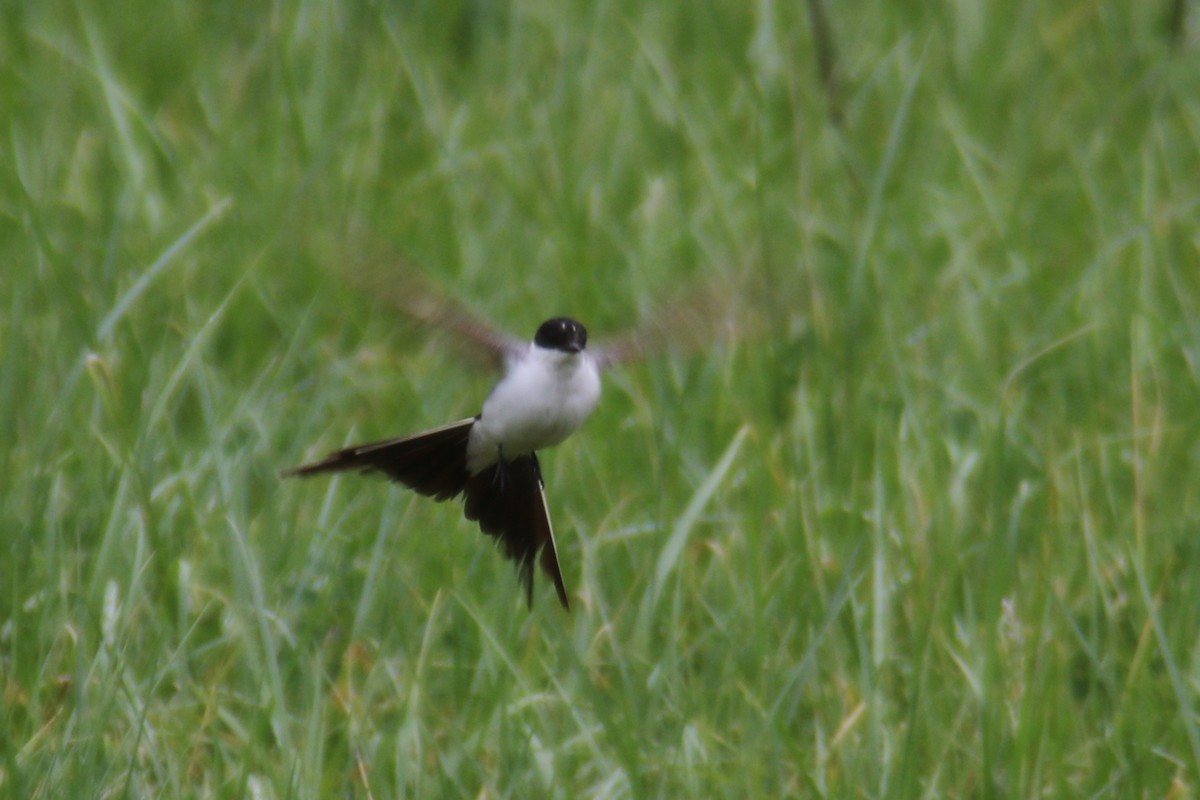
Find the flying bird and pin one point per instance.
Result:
(548, 389)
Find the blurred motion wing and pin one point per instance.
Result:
(701, 317)
(393, 280)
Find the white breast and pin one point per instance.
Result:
(544, 398)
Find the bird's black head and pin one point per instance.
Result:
(561, 333)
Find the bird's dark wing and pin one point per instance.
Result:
(433, 463)
(509, 502)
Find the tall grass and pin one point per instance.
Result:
(934, 534)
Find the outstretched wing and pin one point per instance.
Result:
(393, 280)
(691, 321)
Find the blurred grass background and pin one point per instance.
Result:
(934, 535)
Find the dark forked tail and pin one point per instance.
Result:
(506, 498)
(433, 463)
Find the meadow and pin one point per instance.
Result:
(927, 526)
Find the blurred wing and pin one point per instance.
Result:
(392, 279)
(690, 322)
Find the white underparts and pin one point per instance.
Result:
(544, 397)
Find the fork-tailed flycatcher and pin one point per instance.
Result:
(550, 386)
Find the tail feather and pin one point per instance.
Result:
(507, 499)
(433, 463)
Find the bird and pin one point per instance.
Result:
(548, 388)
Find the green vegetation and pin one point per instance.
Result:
(937, 533)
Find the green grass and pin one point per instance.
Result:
(936, 534)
